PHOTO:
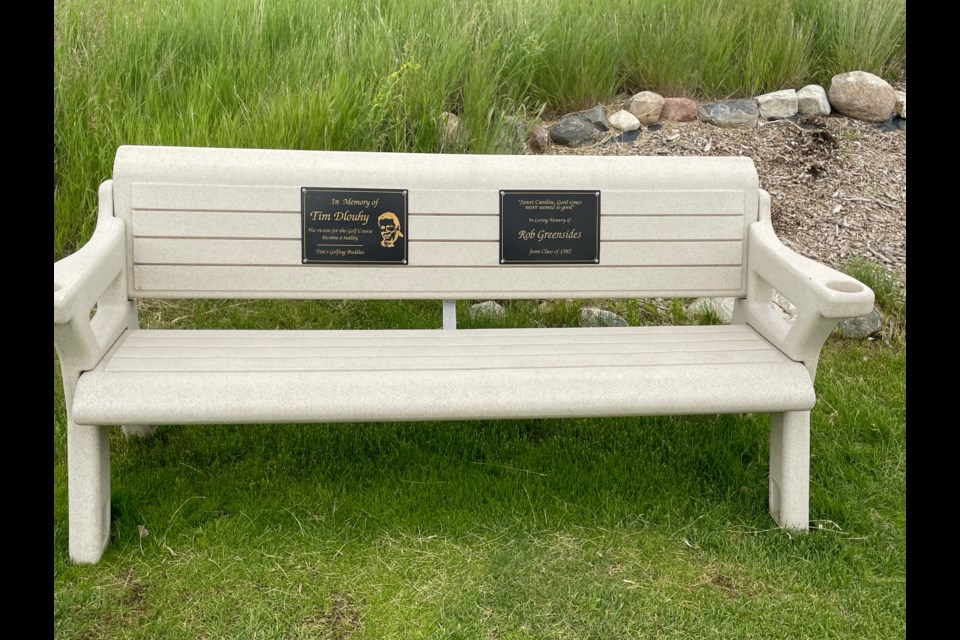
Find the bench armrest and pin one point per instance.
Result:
(81, 278)
(93, 275)
(822, 295)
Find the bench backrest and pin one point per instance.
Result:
(226, 223)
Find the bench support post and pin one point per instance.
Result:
(450, 314)
(88, 490)
(88, 484)
(790, 469)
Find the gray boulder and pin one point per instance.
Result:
(487, 310)
(597, 117)
(862, 327)
(739, 113)
(575, 131)
(778, 105)
(862, 96)
(593, 317)
(812, 101)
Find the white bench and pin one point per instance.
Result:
(219, 223)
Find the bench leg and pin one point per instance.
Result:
(88, 491)
(142, 431)
(790, 469)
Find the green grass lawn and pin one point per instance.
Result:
(590, 528)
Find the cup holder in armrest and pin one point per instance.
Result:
(845, 286)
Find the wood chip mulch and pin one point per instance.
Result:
(838, 186)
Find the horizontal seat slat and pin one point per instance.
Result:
(272, 397)
(636, 350)
(452, 363)
(570, 337)
(214, 347)
(548, 335)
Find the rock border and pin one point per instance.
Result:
(855, 94)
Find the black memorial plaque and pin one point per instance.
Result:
(559, 227)
(354, 226)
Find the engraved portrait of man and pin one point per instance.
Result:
(390, 230)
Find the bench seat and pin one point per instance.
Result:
(170, 377)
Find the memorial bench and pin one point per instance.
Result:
(229, 223)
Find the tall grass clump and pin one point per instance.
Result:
(375, 75)
(866, 35)
(685, 47)
(570, 53)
